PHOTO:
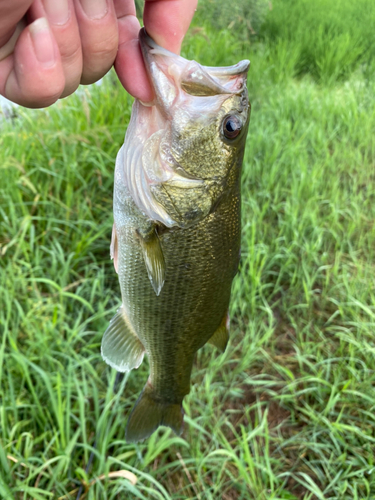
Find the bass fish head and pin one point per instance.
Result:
(183, 150)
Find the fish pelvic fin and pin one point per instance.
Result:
(121, 348)
(154, 258)
(221, 337)
(149, 413)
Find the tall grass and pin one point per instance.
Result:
(288, 411)
(328, 39)
(243, 18)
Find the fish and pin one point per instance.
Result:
(177, 228)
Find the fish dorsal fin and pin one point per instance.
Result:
(153, 257)
(121, 348)
(220, 338)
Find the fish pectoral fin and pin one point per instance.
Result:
(221, 337)
(114, 248)
(121, 348)
(149, 413)
(154, 258)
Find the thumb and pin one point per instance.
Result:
(167, 21)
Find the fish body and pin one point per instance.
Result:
(176, 235)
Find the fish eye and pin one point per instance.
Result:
(231, 127)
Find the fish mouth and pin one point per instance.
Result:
(170, 73)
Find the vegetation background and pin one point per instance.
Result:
(288, 412)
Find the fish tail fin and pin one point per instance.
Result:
(149, 413)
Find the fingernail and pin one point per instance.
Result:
(43, 42)
(95, 9)
(57, 11)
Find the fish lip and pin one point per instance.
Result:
(237, 69)
(148, 48)
(146, 41)
(147, 44)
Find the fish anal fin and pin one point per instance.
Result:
(149, 413)
(121, 348)
(114, 248)
(154, 258)
(220, 338)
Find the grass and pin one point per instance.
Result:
(328, 39)
(288, 411)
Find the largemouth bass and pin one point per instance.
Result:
(176, 234)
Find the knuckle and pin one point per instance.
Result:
(103, 49)
(98, 59)
(70, 52)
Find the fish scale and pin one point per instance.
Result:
(176, 244)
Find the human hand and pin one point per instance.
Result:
(166, 21)
(49, 47)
